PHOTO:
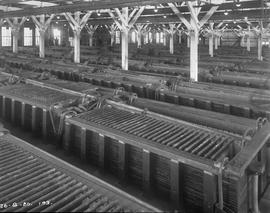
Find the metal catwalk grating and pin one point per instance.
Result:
(200, 142)
(29, 180)
(36, 94)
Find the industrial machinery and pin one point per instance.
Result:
(198, 168)
(33, 180)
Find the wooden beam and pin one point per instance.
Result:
(82, 6)
(208, 15)
(136, 16)
(179, 15)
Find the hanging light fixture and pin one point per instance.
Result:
(226, 13)
(156, 9)
(237, 4)
(98, 13)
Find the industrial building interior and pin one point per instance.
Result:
(135, 106)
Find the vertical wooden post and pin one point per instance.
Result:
(122, 160)
(180, 37)
(13, 111)
(146, 170)
(34, 118)
(194, 36)
(175, 184)
(211, 38)
(124, 42)
(77, 44)
(101, 143)
(209, 192)
(23, 114)
(42, 44)
(165, 39)
(260, 47)
(67, 136)
(4, 107)
(248, 39)
(171, 43)
(44, 123)
(216, 42)
(83, 144)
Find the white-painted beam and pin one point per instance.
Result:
(211, 38)
(42, 25)
(15, 25)
(124, 43)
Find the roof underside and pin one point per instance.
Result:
(254, 10)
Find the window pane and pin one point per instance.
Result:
(117, 35)
(133, 37)
(6, 36)
(28, 37)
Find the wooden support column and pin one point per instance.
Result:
(216, 42)
(194, 27)
(112, 29)
(188, 41)
(194, 38)
(125, 23)
(91, 30)
(171, 43)
(77, 24)
(179, 36)
(260, 58)
(171, 31)
(248, 39)
(15, 25)
(211, 38)
(77, 46)
(42, 25)
(140, 30)
(124, 41)
(165, 39)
